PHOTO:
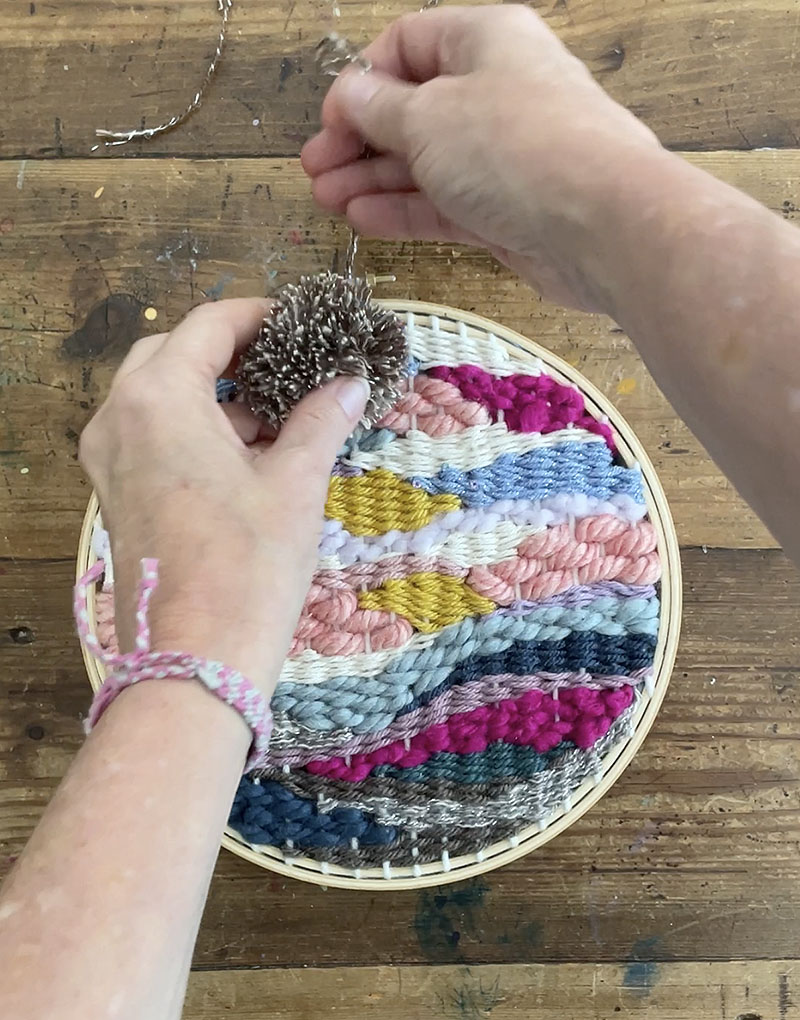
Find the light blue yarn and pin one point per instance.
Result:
(367, 441)
(367, 704)
(539, 474)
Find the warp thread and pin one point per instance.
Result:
(431, 343)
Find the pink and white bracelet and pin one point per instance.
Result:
(143, 664)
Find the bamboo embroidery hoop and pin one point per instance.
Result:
(615, 762)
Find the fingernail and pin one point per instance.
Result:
(353, 393)
(356, 88)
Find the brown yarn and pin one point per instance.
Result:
(324, 326)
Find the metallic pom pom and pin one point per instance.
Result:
(322, 327)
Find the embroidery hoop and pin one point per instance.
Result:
(450, 320)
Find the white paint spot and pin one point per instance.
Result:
(256, 122)
(24, 471)
(66, 67)
(21, 174)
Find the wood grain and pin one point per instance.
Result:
(692, 856)
(87, 246)
(695, 853)
(703, 75)
(739, 990)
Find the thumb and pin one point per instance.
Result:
(375, 104)
(319, 425)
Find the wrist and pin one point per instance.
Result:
(227, 623)
(627, 200)
(655, 223)
(185, 713)
(247, 646)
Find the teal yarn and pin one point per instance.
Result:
(498, 761)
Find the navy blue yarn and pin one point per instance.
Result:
(226, 390)
(601, 654)
(268, 813)
(498, 761)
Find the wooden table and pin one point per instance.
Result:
(678, 895)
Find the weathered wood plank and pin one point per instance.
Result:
(693, 855)
(87, 246)
(741, 989)
(704, 75)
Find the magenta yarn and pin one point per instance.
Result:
(537, 719)
(529, 403)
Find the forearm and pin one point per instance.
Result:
(100, 915)
(704, 280)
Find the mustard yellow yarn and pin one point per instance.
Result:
(379, 501)
(428, 601)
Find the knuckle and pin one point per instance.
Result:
(209, 314)
(201, 314)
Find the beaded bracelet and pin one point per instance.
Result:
(143, 664)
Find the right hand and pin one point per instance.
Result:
(485, 130)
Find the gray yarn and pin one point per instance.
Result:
(444, 806)
(364, 704)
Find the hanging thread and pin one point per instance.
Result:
(111, 138)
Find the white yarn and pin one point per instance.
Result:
(417, 453)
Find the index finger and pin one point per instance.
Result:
(211, 334)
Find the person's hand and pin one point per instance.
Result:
(485, 130)
(232, 518)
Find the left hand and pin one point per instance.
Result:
(232, 517)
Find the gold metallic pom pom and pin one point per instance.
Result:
(322, 327)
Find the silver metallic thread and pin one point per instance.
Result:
(334, 53)
(123, 137)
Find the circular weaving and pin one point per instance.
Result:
(489, 633)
